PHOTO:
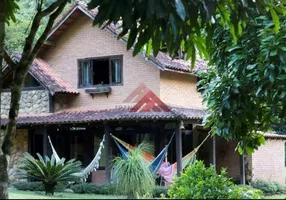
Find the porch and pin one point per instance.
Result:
(81, 141)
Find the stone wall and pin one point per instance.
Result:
(32, 102)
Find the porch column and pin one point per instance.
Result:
(179, 148)
(107, 153)
(213, 151)
(45, 141)
(242, 169)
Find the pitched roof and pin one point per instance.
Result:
(43, 72)
(47, 77)
(115, 114)
(162, 60)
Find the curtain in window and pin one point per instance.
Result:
(116, 70)
(85, 73)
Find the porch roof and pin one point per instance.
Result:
(44, 73)
(115, 114)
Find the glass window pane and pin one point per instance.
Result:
(116, 71)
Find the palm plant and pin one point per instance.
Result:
(48, 171)
(132, 175)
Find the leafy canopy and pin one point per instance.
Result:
(245, 88)
(179, 24)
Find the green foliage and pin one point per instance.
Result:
(110, 189)
(176, 24)
(48, 171)
(37, 186)
(159, 191)
(269, 188)
(245, 90)
(199, 182)
(244, 192)
(19, 26)
(132, 175)
(88, 188)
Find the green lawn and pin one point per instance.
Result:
(281, 196)
(17, 194)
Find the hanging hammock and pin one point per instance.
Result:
(153, 163)
(165, 169)
(94, 164)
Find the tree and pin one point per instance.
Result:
(48, 171)
(245, 88)
(210, 27)
(45, 9)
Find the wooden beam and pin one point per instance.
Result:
(107, 153)
(179, 148)
(242, 169)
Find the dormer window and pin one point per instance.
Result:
(100, 71)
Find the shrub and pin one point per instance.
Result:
(199, 182)
(132, 174)
(268, 188)
(48, 171)
(88, 188)
(244, 192)
(37, 186)
(159, 190)
(110, 189)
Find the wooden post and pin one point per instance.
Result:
(213, 151)
(107, 153)
(242, 169)
(45, 142)
(179, 148)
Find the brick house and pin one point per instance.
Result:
(84, 84)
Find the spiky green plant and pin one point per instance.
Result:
(48, 171)
(132, 175)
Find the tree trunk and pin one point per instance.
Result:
(3, 177)
(50, 188)
(3, 158)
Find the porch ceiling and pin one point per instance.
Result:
(84, 116)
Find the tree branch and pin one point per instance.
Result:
(35, 25)
(22, 68)
(9, 60)
(48, 28)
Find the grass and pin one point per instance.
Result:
(17, 194)
(280, 196)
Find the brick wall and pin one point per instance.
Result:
(98, 177)
(227, 157)
(179, 90)
(82, 40)
(268, 162)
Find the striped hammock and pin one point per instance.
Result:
(94, 164)
(165, 169)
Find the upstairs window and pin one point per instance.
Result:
(100, 71)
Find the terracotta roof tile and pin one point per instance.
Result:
(89, 115)
(49, 78)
